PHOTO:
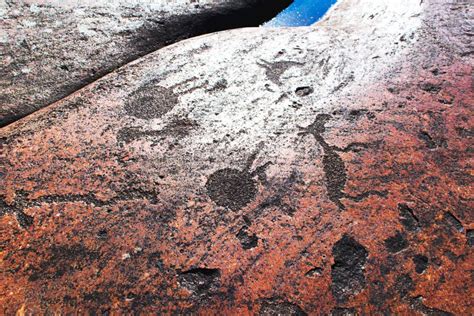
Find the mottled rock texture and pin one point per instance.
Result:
(320, 170)
(52, 48)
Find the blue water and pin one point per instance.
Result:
(301, 13)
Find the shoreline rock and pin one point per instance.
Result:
(217, 174)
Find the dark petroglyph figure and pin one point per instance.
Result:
(151, 101)
(233, 188)
(333, 165)
(275, 70)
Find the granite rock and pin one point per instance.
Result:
(52, 48)
(217, 174)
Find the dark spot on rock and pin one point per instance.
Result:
(396, 243)
(178, 128)
(408, 218)
(200, 281)
(303, 91)
(318, 126)
(393, 90)
(64, 260)
(430, 87)
(128, 134)
(296, 105)
(272, 307)
(348, 269)
(421, 263)
(277, 203)
(357, 113)
(343, 311)
(452, 221)
(344, 83)
(463, 132)
(69, 301)
(155, 261)
(23, 219)
(150, 101)
(247, 241)
(100, 298)
(435, 71)
(314, 272)
(430, 142)
(220, 85)
(102, 234)
(378, 296)
(231, 188)
(384, 269)
(403, 285)
(470, 237)
(452, 256)
(365, 195)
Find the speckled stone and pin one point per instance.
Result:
(319, 170)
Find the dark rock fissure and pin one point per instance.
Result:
(155, 36)
(314, 272)
(417, 304)
(453, 221)
(200, 281)
(408, 218)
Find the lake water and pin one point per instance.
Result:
(301, 13)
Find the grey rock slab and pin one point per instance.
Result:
(52, 48)
(225, 96)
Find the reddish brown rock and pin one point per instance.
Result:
(200, 179)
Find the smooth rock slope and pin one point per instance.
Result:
(52, 48)
(319, 170)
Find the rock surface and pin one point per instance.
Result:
(52, 48)
(300, 171)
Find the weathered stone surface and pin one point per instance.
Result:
(366, 174)
(52, 48)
